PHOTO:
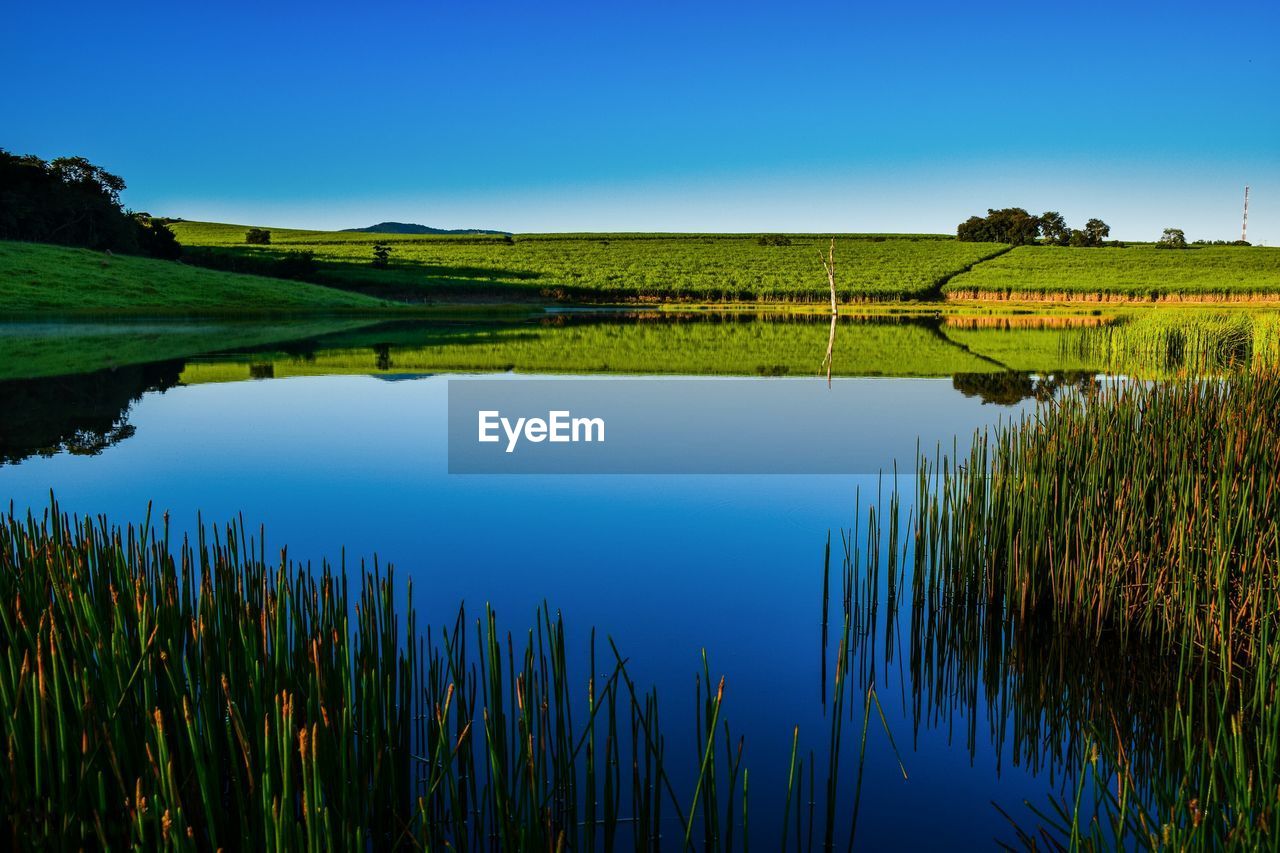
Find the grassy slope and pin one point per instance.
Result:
(44, 279)
(617, 267)
(1142, 272)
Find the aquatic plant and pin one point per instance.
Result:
(1141, 522)
(201, 696)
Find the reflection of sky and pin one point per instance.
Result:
(665, 565)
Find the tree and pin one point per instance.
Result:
(975, 229)
(1054, 228)
(1007, 225)
(257, 236)
(155, 238)
(1172, 238)
(381, 255)
(1095, 231)
(72, 202)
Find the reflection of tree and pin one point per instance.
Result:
(1006, 388)
(83, 415)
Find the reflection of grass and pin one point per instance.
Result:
(28, 351)
(1139, 272)
(617, 266)
(53, 280)
(755, 347)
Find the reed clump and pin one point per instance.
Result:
(1142, 519)
(202, 696)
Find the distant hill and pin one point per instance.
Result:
(413, 228)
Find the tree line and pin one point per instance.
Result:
(1018, 227)
(72, 202)
(69, 201)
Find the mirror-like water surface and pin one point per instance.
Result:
(334, 439)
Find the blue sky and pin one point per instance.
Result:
(661, 116)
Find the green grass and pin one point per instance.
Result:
(1135, 273)
(48, 280)
(616, 267)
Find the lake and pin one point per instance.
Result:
(333, 436)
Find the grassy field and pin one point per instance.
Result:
(40, 279)
(1211, 273)
(615, 267)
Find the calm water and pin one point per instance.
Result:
(337, 441)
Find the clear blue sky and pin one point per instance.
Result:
(661, 116)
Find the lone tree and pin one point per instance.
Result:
(1095, 231)
(257, 236)
(381, 255)
(1172, 238)
(1054, 228)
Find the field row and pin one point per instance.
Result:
(730, 268)
(604, 267)
(1136, 272)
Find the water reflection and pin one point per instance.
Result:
(81, 415)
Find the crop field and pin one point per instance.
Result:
(1135, 273)
(615, 267)
(36, 278)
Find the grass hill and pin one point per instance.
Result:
(414, 228)
(38, 278)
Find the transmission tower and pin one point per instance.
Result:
(1244, 226)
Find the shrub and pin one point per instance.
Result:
(299, 265)
(257, 236)
(774, 240)
(156, 240)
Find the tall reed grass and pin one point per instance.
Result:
(1139, 523)
(205, 696)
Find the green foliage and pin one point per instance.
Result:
(382, 255)
(1054, 228)
(1011, 225)
(773, 240)
(53, 279)
(1172, 238)
(257, 236)
(72, 202)
(1095, 231)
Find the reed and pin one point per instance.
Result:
(1139, 522)
(203, 696)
